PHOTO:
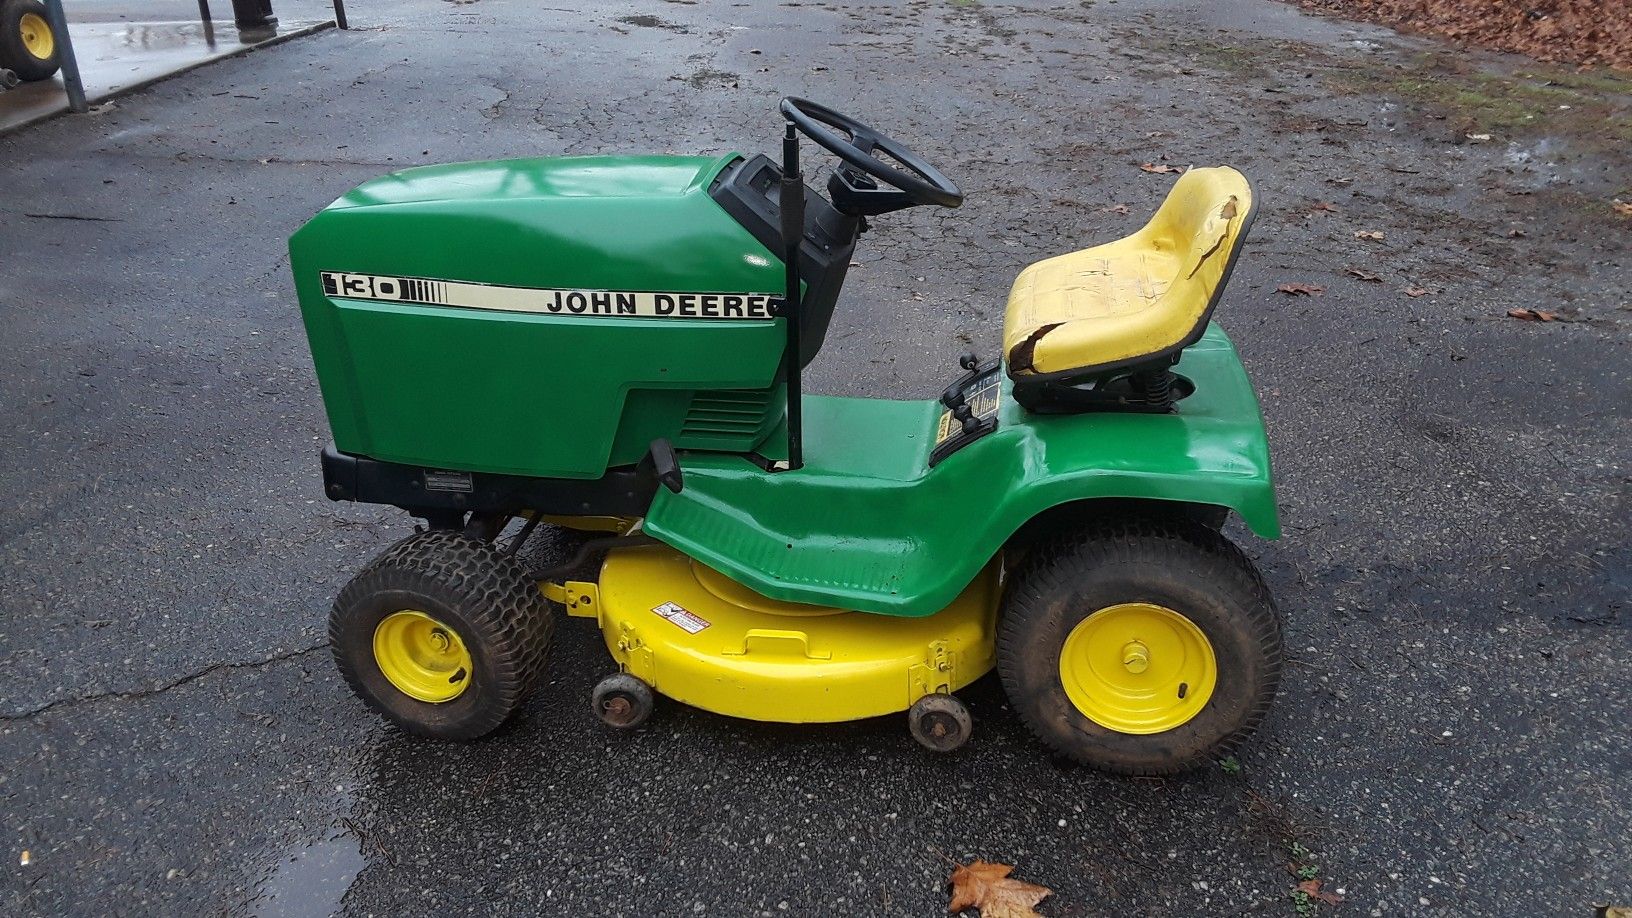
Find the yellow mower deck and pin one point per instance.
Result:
(699, 637)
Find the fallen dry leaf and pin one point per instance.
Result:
(1301, 289)
(988, 887)
(1312, 889)
(26, 859)
(1115, 209)
(1515, 233)
(1366, 275)
(1574, 32)
(1416, 291)
(1533, 315)
(1624, 208)
(1373, 235)
(1160, 168)
(1327, 206)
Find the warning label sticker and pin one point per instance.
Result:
(677, 613)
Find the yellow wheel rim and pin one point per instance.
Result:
(1138, 668)
(422, 657)
(37, 37)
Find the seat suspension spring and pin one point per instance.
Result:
(1154, 387)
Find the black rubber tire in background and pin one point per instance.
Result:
(483, 595)
(14, 55)
(1182, 565)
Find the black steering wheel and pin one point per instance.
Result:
(854, 142)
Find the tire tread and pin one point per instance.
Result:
(1047, 571)
(489, 587)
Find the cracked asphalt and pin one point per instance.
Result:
(1452, 734)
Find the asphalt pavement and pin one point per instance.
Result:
(1452, 735)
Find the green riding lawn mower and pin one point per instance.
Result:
(615, 344)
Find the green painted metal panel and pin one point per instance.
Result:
(867, 525)
(526, 393)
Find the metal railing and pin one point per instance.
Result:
(70, 65)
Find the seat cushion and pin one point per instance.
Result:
(1143, 296)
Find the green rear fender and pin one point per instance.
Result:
(868, 525)
(1188, 466)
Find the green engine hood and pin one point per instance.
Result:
(514, 181)
(428, 383)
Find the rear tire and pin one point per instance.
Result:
(28, 45)
(478, 606)
(1179, 668)
(1213, 517)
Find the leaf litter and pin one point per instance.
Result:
(1535, 315)
(988, 887)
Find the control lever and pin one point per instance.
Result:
(664, 463)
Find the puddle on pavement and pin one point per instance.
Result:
(1546, 161)
(311, 881)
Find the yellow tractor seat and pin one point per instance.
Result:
(1136, 300)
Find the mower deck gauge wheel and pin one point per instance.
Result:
(941, 723)
(622, 701)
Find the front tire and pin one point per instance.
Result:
(442, 635)
(1141, 648)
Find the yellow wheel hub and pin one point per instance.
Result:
(422, 657)
(1138, 668)
(37, 37)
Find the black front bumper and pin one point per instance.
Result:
(625, 491)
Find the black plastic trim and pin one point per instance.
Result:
(624, 491)
(747, 190)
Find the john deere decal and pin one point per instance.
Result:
(633, 303)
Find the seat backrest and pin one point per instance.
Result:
(1202, 223)
(1136, 301)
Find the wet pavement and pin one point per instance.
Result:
(121, 46)
(1452, 734)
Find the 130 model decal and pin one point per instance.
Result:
(632, 303)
